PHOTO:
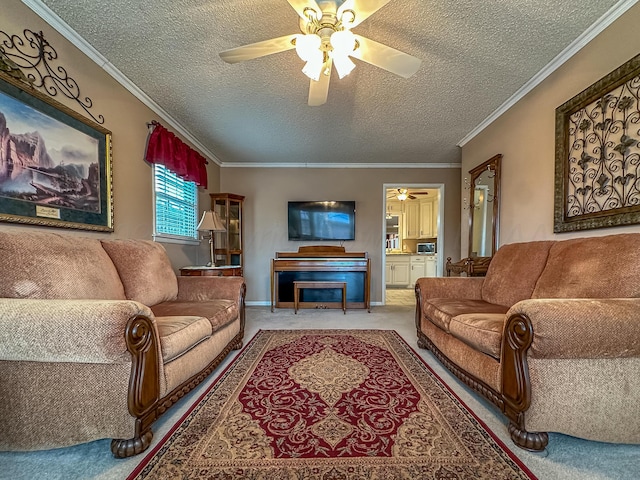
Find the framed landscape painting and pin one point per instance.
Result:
(55, 165)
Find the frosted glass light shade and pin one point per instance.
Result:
(343, 41)
(308, 46)
(343, 64)
(313, 67)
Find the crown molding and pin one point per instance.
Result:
(593, 31)
(338, 165)
(44, 12)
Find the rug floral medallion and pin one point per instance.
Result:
(330, 405)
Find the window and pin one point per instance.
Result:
(176, 206)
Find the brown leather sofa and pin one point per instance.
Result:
(99, 337)
(551, 336)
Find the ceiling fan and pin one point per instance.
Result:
(403, 194)
(327, 40)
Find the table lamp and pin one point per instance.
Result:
(210, 222)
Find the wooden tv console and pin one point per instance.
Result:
(321, 264)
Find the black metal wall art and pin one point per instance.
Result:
(597, 171)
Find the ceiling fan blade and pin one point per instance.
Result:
(386, 57)
(362, 9)
(300, 6)
(318, 91)
(259, 49)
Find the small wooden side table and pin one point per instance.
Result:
(299, 285)
(204, 271)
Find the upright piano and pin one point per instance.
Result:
(317, 264)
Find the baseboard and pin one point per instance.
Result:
(263, 303)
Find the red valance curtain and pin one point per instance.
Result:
(164, 148)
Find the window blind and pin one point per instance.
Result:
(176, 204)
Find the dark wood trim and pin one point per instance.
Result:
(478, 385)
(516, 384)
(493, 163)
(472, 267)
(515, 398)
(473, 382)
(321, 259)
(516, 387)
(144, 384)
(133, 446)
(220, 271)
(532, 441)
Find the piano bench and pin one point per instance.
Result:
(299, 285)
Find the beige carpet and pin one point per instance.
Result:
(330, 404)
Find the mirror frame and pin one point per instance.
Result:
(492, 164)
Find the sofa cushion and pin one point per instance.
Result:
(513, 272)
(481, 331)
(145, 270)
(218, 312)
(441, 310)
(593, 267)
(180, 334)
(48, 265)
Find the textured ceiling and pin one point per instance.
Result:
(476, 54)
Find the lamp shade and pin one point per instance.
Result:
(210, 222)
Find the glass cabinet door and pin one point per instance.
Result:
(228, 244)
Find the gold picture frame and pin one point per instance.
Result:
(597, 165)
(55, 165)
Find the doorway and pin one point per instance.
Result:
(412, 216)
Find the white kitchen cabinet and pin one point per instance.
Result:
(397, 270)
(412, 219)
(428, 219)
(431, 265)
(394, 207)
(418, 268)
(420, 219)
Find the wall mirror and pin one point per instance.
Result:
(484, 207)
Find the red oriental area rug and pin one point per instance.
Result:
(330, 405)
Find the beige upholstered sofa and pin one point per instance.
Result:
(551, 336)
(99, 337)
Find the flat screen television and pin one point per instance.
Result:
(330, 220)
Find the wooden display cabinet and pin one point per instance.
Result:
(229, 245)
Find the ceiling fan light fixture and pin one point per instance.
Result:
(308, 47)
(343, 41)
(343, 64)
(313, 68)
(402, 196)
(326, 39)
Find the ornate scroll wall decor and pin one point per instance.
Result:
(33, 55)
(55, 165)
(597, 174)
